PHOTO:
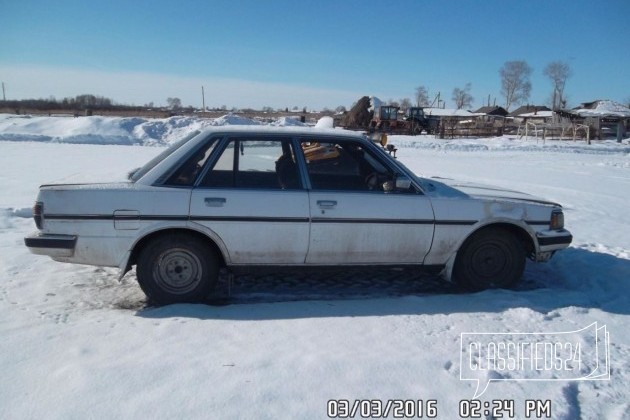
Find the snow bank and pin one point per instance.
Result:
(87, 130)
(233, 119)
(167, 130)
(325, 122)
(107, 130)
(288, 122)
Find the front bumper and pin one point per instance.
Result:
(51, 245)
(550, 241)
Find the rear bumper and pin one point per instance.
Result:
(51, 245)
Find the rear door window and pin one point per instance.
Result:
(250, 163)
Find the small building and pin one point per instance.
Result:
(460, 114)
(607, 118)
(495, 111)
(461, 123)
(491, 116)
(538, 117)
(532, 113)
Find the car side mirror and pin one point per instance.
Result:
(403, 183)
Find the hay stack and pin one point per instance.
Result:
(360, 115)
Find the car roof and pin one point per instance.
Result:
(266, 129)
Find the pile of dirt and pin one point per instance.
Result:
(360, 115)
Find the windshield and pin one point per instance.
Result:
(140, 172)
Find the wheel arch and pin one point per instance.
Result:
(143, 241)
(522, 233)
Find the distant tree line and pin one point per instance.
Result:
(88, 102)
(78, 102)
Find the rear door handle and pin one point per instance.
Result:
(326, 204)
(214, 201)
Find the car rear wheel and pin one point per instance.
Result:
(177, 268)
(491, 258)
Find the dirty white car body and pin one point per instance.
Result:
(303, 198)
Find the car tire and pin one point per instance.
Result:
(177, 268)
(491, 258)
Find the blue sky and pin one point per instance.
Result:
(307, 53)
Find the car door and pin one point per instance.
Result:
(357, 216)
(252, 198)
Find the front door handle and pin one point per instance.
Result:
(326, 204)
(214, 201)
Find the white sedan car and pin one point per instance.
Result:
(248, 198)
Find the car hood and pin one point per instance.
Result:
(444, 187)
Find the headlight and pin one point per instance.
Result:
(557, 220)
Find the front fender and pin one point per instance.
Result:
(448, 239)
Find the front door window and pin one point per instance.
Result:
(345, 166)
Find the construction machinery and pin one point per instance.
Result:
(387, 119)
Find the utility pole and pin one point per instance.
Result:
(4, 97)
(203, 100)
(436, 99)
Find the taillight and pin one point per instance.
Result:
(38, 214)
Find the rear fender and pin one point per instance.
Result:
(127, 261)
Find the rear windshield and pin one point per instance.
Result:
(140, 172)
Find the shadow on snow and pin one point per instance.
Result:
(574, 277)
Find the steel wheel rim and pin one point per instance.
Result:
(177, 271)
(489, 261)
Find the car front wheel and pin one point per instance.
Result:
(177, 268)
(491, 258)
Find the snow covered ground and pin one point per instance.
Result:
(76, 343)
